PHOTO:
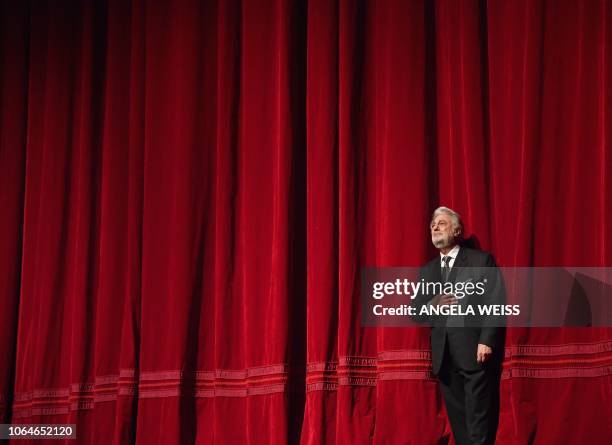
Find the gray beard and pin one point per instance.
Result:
(443, 242)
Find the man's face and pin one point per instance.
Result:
(442, 233)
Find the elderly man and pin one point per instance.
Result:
(466, 357)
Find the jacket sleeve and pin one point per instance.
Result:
(422, 299)
(492, 331)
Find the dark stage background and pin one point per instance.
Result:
(189, 190)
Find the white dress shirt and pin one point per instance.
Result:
(453, 254)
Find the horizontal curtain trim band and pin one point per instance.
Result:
(524, 361)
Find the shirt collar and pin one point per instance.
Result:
(453, 252)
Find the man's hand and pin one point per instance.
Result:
(483, 353)
(443, 299)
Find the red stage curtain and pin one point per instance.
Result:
(190, 189)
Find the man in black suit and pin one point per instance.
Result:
(466, 351)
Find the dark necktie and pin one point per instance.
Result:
(445, 268)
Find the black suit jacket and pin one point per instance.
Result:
(475, 330)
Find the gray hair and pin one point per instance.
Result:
(455, 218)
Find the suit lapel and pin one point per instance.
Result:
(436, 271)
(460, 261)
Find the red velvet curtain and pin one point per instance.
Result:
(190, 189)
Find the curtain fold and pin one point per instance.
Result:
(191, 188)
